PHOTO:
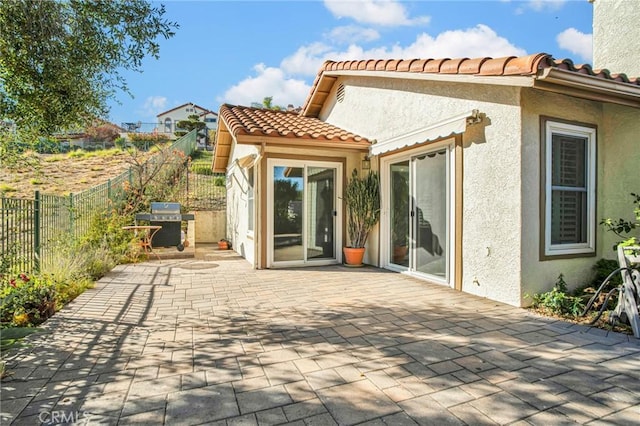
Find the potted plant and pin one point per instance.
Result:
(362, 198)
(224, 244)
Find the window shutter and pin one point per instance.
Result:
(569, 190)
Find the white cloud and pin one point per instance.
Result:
(472, 42)
(378, 12)
(352, 34)
(152, 106)
(269, 81)
(306, 61)
(576, 42)
(540, 5)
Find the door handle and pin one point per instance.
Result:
(334, 213)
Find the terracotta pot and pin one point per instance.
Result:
(399, 252)
(223, 245)
(353, 255)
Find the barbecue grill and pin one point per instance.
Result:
(169, 217)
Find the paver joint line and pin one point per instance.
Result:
(182, 342)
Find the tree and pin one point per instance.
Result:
(267, 103)
(60, 61)
(192, 122)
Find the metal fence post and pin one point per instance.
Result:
(109, 188)
(71, 216)
(36, 232)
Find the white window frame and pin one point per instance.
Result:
(581, 131)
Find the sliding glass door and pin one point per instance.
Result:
(303, 213)
(419, 214)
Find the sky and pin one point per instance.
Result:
(239, 52)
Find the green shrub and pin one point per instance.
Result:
(558, 301)
(27, 300)
(120, 143)
(219, 181)
(106, 236)
(201, 168)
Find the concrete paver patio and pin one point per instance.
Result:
(198, 341)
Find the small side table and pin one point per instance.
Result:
(146, 236)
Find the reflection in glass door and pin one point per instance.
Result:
(431, 214)
(419, 214)
(320, 213)
(303, 206)
(288, 193)
(400, 213)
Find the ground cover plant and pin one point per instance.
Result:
(570, 305)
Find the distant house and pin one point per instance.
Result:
(495, 172)
(167, 120)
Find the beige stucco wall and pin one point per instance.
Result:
(237, 213)
(616, 36)
(618, 138)
(384, 108)
(537, 275)
(210, 226)
(620, 160)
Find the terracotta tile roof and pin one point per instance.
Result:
(529, 65)
(510, 65)
(265, 122)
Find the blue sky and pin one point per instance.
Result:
(238, 52)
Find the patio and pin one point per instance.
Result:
(209, 340)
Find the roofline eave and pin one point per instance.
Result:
(588, 87)
(299, 142)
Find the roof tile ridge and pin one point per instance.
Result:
(528, 65)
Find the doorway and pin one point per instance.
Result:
(304, 215)
(418, 221)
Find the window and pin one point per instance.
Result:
(569, 199)
(250, 199)
(167, 125)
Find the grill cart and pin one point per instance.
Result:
(168, 216)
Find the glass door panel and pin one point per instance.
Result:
(320, 213)
(431, 214)
(303, 213)
(288, 195)
(400, 211)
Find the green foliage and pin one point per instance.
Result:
(120, 143)
(108, 241)
(602, 268)
(6, 188)
(622, 226)
(26, 300)
(144, 141)
(61, 61)
(201, 169)
(362, 197)
(558, 301)
(192, 122)
(219, 181)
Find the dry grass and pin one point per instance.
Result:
(61, 174)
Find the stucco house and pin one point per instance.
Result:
(167, 120)
(495, 172)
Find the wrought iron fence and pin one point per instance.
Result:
(30, 227)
